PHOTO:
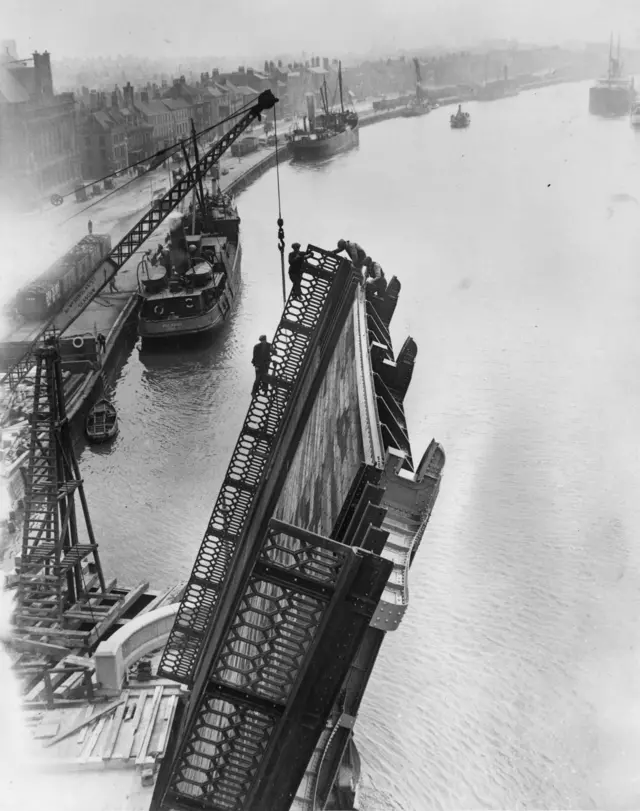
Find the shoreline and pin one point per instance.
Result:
(261, 161)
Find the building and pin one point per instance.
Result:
(39, 151)
(180, 111)
(159, 117)
(104, 142)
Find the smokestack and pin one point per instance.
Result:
(311, 110)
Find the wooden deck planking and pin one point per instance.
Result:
(330, 451)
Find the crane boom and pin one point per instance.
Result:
(140, 232)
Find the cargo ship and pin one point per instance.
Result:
(612, 95)
(328, 132)
(191, 287)
(245, 693)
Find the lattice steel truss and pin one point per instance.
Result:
(304, 609)
(393, 423)
(143, 229)
(291, 344)
(50, 574)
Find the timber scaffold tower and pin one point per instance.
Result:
(58, 575)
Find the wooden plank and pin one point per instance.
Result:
(117, 611)
(73, 729)
(136, 720)
(93, 739)
(115, 727)
(88, 713)
(144, 744)
(46, 731)
(158, 750)
(36, 646)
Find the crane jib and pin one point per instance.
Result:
(140, 232)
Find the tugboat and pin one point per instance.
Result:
(329, 132)
(460, 120)
(612, 96)
(420, 104)
(190, 287)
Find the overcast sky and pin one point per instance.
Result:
(261, 27)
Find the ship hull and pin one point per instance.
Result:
(609, 102)
(150, 329)
(310, 149)
(414, 112)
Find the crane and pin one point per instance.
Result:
(140, 232)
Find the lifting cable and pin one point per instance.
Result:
(167, 151)
(280, 220)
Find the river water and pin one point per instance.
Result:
(512, 682)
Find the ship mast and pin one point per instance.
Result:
(340, 84)
(325, 98)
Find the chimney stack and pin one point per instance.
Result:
(127, 92)
(144, 96)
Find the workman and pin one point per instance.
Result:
(374, 276)
(296, 266)
(356, 253)
(102, 342)
(90, 227)
(261, 359)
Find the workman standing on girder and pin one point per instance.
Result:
(261, 359)
(374, 277)
(296, 266)
(356, 252)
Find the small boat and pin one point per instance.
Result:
(102, 422)
(460, 120)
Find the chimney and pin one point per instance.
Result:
(215, 73)
(114, 99)
(241, 69)
(127, 92)
(250, 71)
(325, 62)
(46, 75)
(144, 96)
(176, 82)
(93, 100)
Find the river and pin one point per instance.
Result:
(512, 682)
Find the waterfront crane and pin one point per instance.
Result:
(131, 242)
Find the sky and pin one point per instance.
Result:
(257, 28)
